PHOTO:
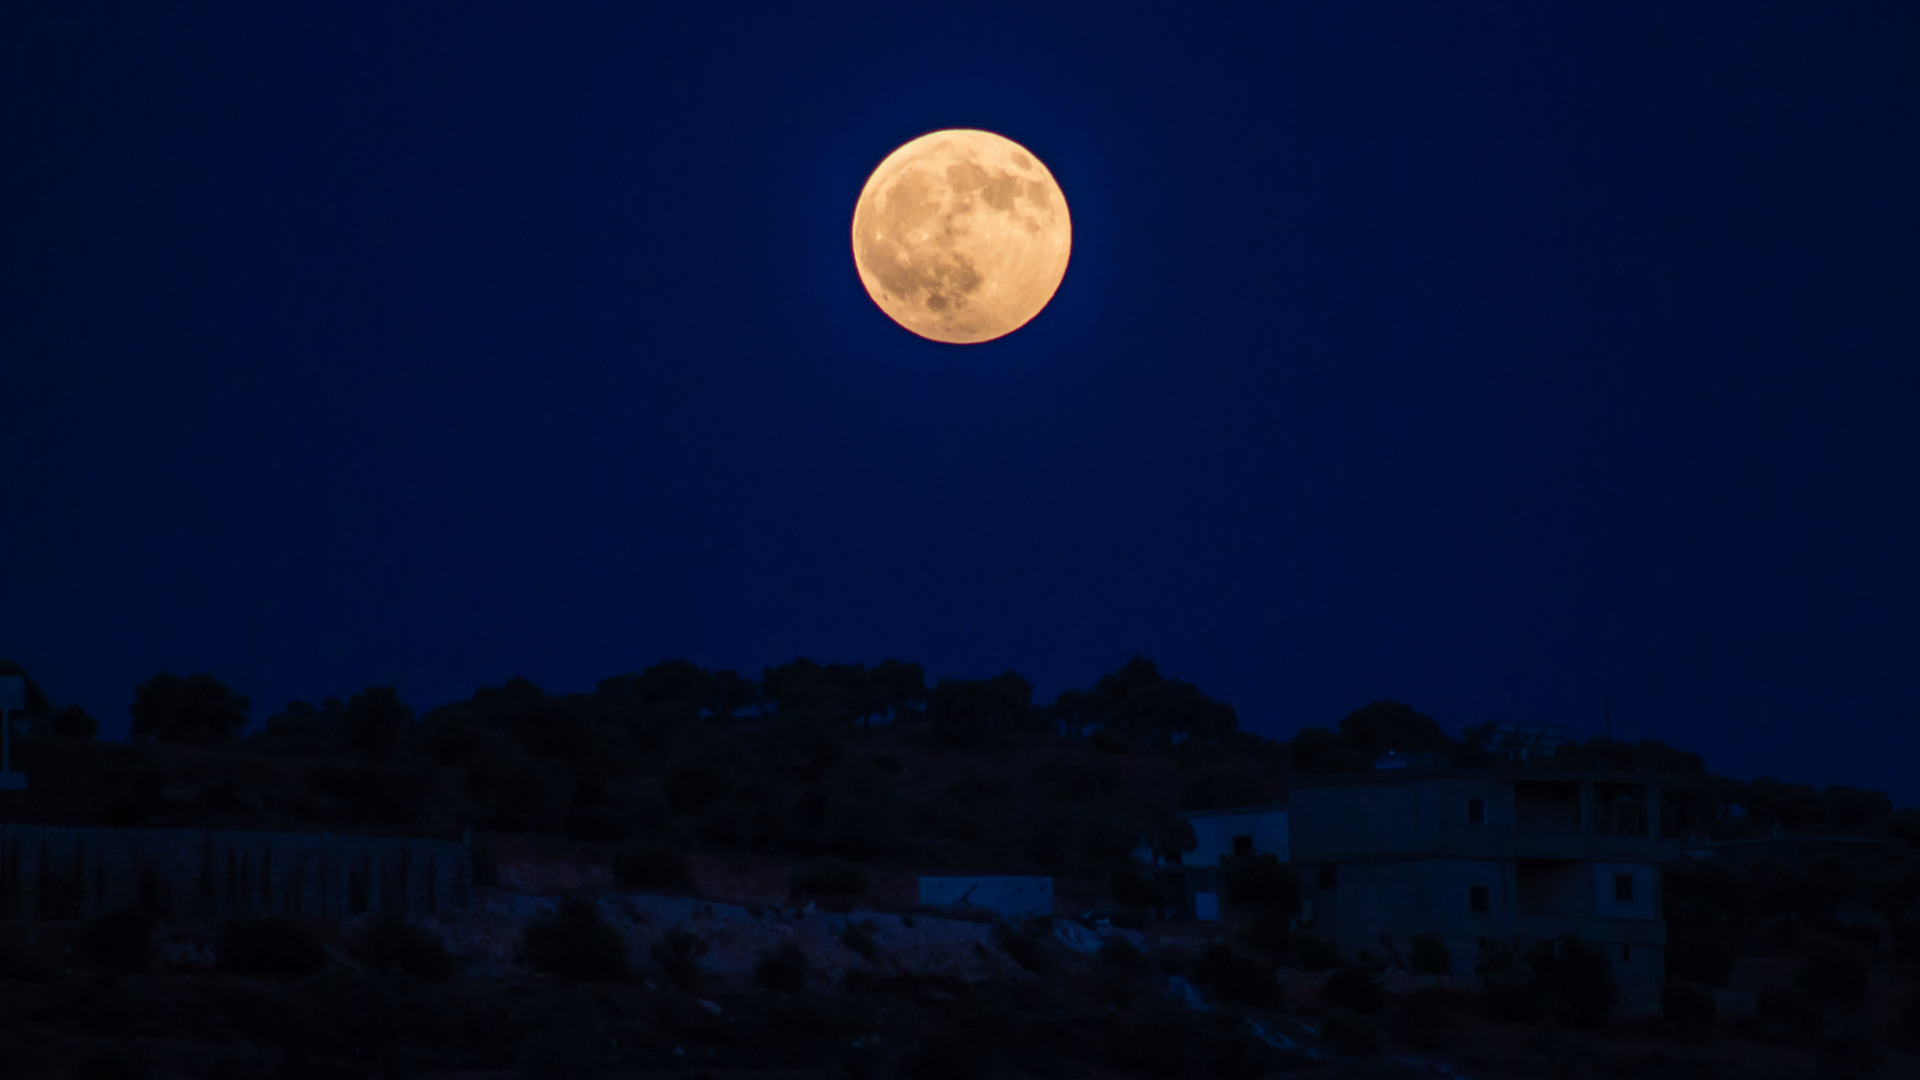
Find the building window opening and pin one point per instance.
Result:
(1476, 811)
(1623, 888)
(1328, 879)
(1477, 899)
(1242, 846)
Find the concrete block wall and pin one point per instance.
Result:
(1014, 897)
(54, 873)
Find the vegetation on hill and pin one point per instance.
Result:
(839, 769)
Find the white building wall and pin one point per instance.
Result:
(1216, 829)
(1605, 895)
(1015, 897)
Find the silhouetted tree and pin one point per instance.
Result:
(375, 722)
(38, 708)
(198, 710)
(1316, 750)
(1140, 702)
(978, 712)
(68, 722)
(1381, 727)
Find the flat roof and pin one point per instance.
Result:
(1507, 774)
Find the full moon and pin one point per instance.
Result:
(961, 236)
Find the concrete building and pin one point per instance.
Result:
(1514, 855)
(1192, 883)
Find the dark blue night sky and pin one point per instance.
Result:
(1489, 358)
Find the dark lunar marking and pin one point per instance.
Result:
(1001, 190)
(1037, 193)
(1021, 160)
(967, 177)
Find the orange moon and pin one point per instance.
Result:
(961, 236)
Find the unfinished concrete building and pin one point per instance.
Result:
(1516, 855)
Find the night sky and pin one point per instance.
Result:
(1490, 358)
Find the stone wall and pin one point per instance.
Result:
(1010, 896)
(53, 873)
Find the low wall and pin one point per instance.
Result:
(1010, 896)
(52, 873)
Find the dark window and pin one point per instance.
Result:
(1623, 888)
(1477, 898)
(1476, 811)
(1328, 879)
(1242, 846)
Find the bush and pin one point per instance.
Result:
(120, 941)
(1688, 1008)
(486, 870)
(1261, 883)
(828, 878)
(1910, 1018)
(782, 970)
(272, 947)
(116, 1062)
(1507, 985)
(1355, 990)
(1234, 976)
(1849, 1056)
(388, 941)
(1314, 953)
(1108, 742)
(1026, 947)
(1789, 1009)
(1353, 1035)
(653, 866)
(1121, 955)
(576, 944)
(1837, 975)
(1429, 955)
(1578, 979)
(1130, 918)
(859, 941)
(676, 953)
(1132, 888)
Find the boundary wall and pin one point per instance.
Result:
(50, 873)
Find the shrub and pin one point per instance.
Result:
(1848, 1056)
(1353, 1035)
(1910, 1018)
(1261, 883)
(1234, 976)
(1132, 888)
(389, 941)
(676, 953)
(1688, 1008)
(486, 870)
(1840, 976)
(828, 878)
(115, 1062)
(1314, 952)
(1355, 990)
(1025, 946)
(1108, 742)
(1121, 955)
(120, 941)
(1788, 1008)
(1507, 984)
(1579, 980)
(1429, 955)
(576, 944)
(782, 970)
(859, 941)
(1130, 918)
(652, 865)
(272, 947)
